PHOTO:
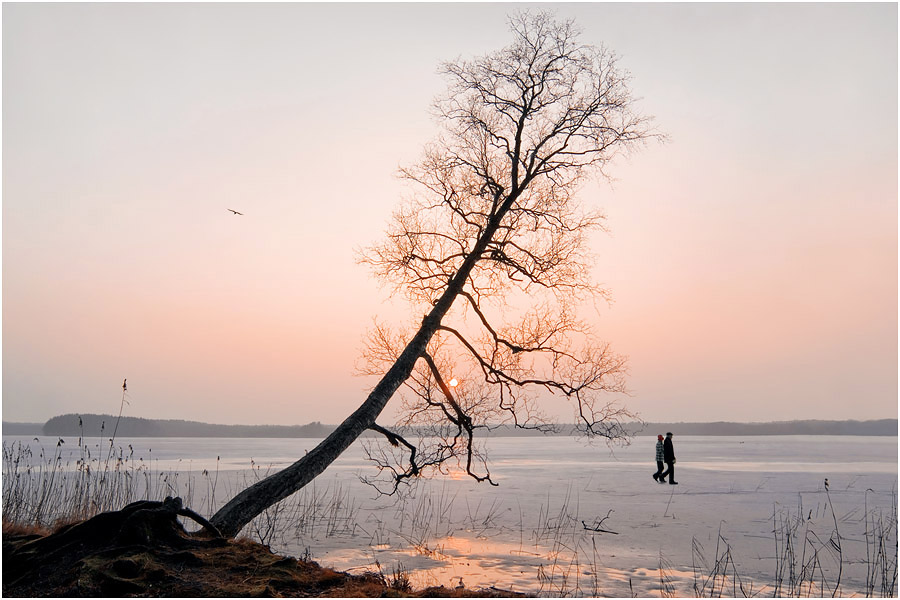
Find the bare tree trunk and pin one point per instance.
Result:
(251, 502)
(539, 114)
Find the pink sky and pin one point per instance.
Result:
(752, 259)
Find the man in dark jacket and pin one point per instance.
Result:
(669, 456)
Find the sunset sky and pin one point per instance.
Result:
(752, 258)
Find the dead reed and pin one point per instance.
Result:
(44, 485)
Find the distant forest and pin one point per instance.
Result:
(90, 425)
(808, 427)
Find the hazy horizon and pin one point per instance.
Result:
(752, 259)
(324, 424)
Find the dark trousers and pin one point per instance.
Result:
(670, 472)
(659, 469)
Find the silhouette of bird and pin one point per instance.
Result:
(236, 212)
(125, 385)
(826, 483)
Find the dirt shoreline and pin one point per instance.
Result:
(116, 555)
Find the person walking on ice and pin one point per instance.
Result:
(669, 457)
(660, 458)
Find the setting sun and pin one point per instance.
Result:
(246, 290)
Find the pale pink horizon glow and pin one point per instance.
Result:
(752, 259)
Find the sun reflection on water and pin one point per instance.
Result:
(473, 561)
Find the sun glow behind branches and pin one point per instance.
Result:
(723, 281)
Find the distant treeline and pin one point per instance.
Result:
(810, 427)
(96, 425)
(22, 428)
(93, 425)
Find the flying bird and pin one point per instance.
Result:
(236, 212)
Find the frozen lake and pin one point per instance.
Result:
(745, 512)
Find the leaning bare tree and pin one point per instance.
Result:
(492, 251)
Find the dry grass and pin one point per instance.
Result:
(46, 485)
(22, 529)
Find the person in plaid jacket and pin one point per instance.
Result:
(669, 458)
(660, 457)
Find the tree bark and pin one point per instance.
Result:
(251, 502)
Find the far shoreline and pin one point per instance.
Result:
(136, 427)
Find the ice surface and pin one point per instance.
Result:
(736, 501)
